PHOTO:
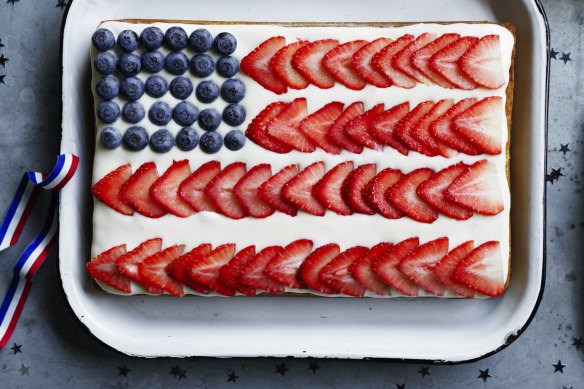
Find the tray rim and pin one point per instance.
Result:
(509, 339)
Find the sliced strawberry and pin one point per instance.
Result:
(404, 128)
(271, 190)
(308, 61)
(443, 130)
(103, 268)
(405, 196)
(177, 269)
(358, 128)
(257, 65)
(298, 190)
(254, 275)
(482, 124)
(136, 191)
(231, 272)
(403, 60)
(421, 130)
(165, 190)
(362, 269)
(478, 189)
(281, 64)
(220, 191)
(128, 263)
(421, 59)
(336, 273)
(246, 191)
(153, 273)
(316, 126)
(257, 130)
(310, 269)
(284, 266)
(353, 189)
(107, 190)
(338, 62)
(284, 127)
(433, 191)
(383, 62)
(205, 270)
(362, 63)
(192, 189)
(382, 128)
(482, 62)
(376, 193)
(419, 265)
(387, 267)
(482, 270)
(328, 190)
(445, 62)
(337, 133)
(444, 269)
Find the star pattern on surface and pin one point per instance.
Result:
(400, 386)
(484, 375)
(564, 148)
(565, 57)
(1, 44)
(232, 377)
(123, 370)
(178, 372)
(424, 371)
(281, 369)
(553, 53)
(17, 347)
(12, 2)
(3, 60)
(313, 365)
(558, 367)
(2, 78)
(61, 4)
(554, 175)
(24, 370)
(577, 342)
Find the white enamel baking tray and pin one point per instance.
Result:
(422, 329)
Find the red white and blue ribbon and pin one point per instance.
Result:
(36, 252)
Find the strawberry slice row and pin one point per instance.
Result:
(432, 128)
(457, 191)
(449, 61)
(404, 268)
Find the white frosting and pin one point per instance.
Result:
(111, 228)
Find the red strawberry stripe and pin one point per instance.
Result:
(246, 191)
(404, 195)
(254, 275)
(362, 269)
(308, 61)
(353, 189)
(103, 269)
(482, 63)
(177, 269)
(230, 274)
(107, 190)
(445, 62)
(376, 193)
(419, 265)
(271, 190)
(220, 190)
(337, 133)
(404, 128)
(316, 126)
(153, 272)
(128, 263)
(421, 59)
(310, 269)
(257, 130)
(383, 62)
(421, 130)
(281, 64)
(358, 128)
(382, 128)
(205, 270)
(284, 266)
(482, 125)
(328, 190)
(285, 126)
(387, 267)
(482, 270)
(257, 65)
(403, 59)
(362, 63)
(192, 189)
(443, 128)
(165, 190)
(336, 273)
(338, 62)
(136, 191)
(299, 190)
(444, 269)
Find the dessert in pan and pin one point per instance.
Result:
(339, 160)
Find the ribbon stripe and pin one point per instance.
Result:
(33, 256)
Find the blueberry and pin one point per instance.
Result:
(234, 114)
(151, 38)
(108, 111)
(176, 38)
(129, 64)
(156, 86)
(110, 138)
(133, 112)
(105, 63)
(232, 90)
(161, 141)
(202, 65)
(225, 43)
(181, 88)
(209, 119)
(185, 113)
(176, 63)
(201, 40)
(153, 61)
(234, 140)
(132, 88)
(128, 41)
(227, 66)
(207, 91)
(103, 39)
(210, 142)
(160, 113)
(187, 139)
(107, 88)
(136, 138)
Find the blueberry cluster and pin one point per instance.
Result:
(129, 64)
